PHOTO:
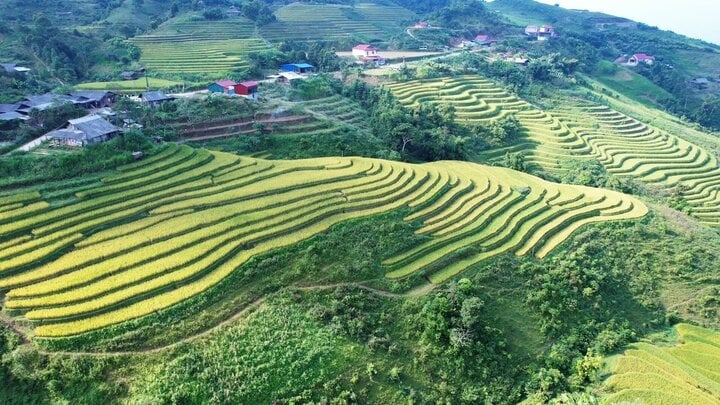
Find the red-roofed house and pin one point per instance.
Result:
(639, 58)
(223, 86)
(247, 89)
(364, 50)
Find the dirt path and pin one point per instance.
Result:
(15, 328)
(422, 290)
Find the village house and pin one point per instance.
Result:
(700, 83)
(248, 89)
(542, 33)
(223, 86)
(93, 98)
(8, 112)
(299, 68)
(484, 40)
(42, 102)
(84, 131)
(155, 98)
(286, 77)
(520, 61)
(364, 51)
(233, 12)
(639, 58)
(421, 25)
(129, 75)
(13, 68)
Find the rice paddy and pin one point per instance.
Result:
(367, 21)
(687, 374)
(625, 146)
(188, 45)
(168, 228)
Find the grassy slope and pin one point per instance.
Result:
(630, 84)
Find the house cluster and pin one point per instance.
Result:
(542, 33)
(247, 89)
(367, 55)
(11, 68)
(423, 25)
(84, 99)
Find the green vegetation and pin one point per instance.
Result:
(130, 86)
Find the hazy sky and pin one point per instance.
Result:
(694, 18)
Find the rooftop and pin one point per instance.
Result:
(153, 96)
(93, 126)
(226, 83)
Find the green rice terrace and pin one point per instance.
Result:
(185, 45)
(688, 372)
(367, 21)
(625, 146)
(168, 228)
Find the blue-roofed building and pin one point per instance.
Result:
(301, 68)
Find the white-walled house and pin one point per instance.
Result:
(364, 51)
(639, 58)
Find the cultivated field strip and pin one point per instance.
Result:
(168, 228)
(546, 141)
(189, 46)
(625, 146)
(367, 21)
(340, 109)
(632, 149)
(688, 373)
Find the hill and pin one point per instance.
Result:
(606, 38)
(210, 212)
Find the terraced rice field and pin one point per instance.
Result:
(546, 141)
(300, 21)
(624, 145)
(188, 46)
(630, 148)
(686, 374)
(168, 228)
(340, 109)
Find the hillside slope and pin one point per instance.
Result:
(177, 224)
(583, 129)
